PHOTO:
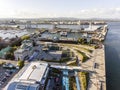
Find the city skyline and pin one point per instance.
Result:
(59, 8)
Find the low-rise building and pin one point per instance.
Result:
(28, 42)
(32, 77)
(25, 50)
(21, 54)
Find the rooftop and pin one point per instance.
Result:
(29, 78)
(34, 72)
(22, 86)
(92, 28)
(28, 42)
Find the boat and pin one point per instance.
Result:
(63, 33)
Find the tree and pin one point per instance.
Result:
(25, 37)
(34, 44)
(20, 63)
(17, 42)
(81, 40)
(18, 27)
(14, 48)
(8, 55)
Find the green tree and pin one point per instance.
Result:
(81, 40)
(20, 63)
(18, 27)
(25, 37)
(16, 43)
(8, 55)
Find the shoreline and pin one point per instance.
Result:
(97, 79)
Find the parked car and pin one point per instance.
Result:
(8, 65)
(4, 79)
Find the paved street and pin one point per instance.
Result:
(9, 61)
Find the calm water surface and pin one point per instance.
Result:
(112, 52)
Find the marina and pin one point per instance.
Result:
(64, 36)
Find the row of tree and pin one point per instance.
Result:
(84, 41)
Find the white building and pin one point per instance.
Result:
(25, 50)
(28, 42)
(92, 27)
(31, 77)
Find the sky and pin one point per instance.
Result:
(59, 8)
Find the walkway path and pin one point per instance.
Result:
(97, 64)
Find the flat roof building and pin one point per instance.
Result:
(32, 78)
(25, 50)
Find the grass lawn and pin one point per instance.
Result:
(72, 64)
(72, 83)
(84, 78)
(85, 57)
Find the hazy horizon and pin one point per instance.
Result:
(59, 8)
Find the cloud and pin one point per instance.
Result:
(83, 13)
(99, 13)
(96, 13)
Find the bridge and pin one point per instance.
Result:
(76, 68)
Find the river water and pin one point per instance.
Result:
(112, 53)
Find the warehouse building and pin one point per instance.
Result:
(32, 77)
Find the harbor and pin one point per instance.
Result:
(63, 47)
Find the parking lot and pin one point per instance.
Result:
(6, 75)
(54, 80)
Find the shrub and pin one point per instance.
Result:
(25, 37)
(82, 40)
(72, 83)
(96, 46)
(20, 63)
(16, 42)
(84, 78)
(66, 53)
(64, 60)
(2, 62)
(54, 70)
(9, 55)
(73, 64)
(84, 55)
(54, 48)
